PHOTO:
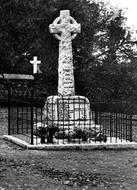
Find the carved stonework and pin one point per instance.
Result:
(68, 28)
(68, 110)
(74, 108)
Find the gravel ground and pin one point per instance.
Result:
(65, 170)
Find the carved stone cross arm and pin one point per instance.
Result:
(65, 25)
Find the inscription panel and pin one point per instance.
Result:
(69, 110)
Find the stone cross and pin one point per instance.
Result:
(35, 63)
(65, 29)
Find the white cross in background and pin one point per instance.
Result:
(35, 63)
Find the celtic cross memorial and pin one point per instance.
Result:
(66, 107)
(65, 29)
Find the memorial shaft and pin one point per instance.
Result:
(66, 84)
(65, 29)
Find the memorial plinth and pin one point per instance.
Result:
(68, 111)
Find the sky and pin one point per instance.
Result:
(130, 9)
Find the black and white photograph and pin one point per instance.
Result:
(68, 95)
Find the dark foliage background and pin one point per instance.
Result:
(104, 54)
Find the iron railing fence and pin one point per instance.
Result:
(64, 119)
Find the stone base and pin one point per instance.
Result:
(68, 111)
(71, 117)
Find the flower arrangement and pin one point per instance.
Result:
(46, 131)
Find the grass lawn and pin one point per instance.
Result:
(65, 170)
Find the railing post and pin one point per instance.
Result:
(130, 128)
(9, 111)
(32, 99)
(96, 117)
